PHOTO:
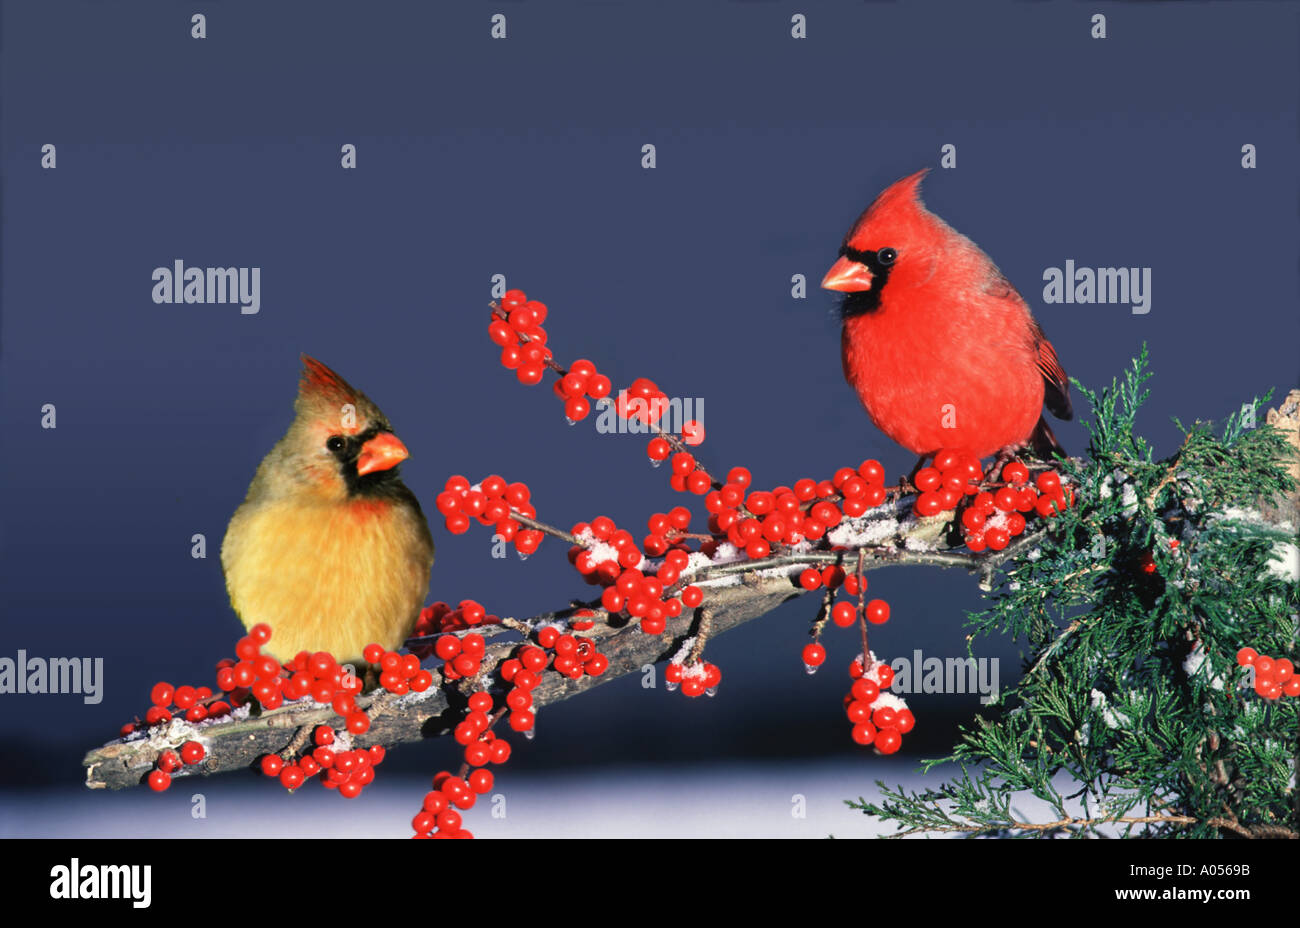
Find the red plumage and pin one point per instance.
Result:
(941, 349)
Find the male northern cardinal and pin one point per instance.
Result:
(940, 347)
(329, 547)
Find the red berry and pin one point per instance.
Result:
(885, 717)
(169, 762)
(658, 449)
(877, 612)
(844, 613)
(500, 751)
(162, 694)
(358, 723)
(928, 503)
(291, 777)
(192, 752)
(858, 711)
(864, 733)
(480, 780)
(871, 471)
(272, 764)
(1016, 473)
(184, 697)
(814, 655)
(810, 579)
(927, 478)
(864, 690)
(888, 740)
(1246, 656)
(159, 780)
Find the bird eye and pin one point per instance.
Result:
(886, 256)
(334, 442)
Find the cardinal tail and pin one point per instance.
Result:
(1044, 442)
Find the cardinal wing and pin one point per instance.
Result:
(1056, 394)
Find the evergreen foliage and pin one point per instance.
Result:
(1132, 716)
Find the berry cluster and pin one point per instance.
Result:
(759, 521)
(438, 817)
(517, 328)
(844, 613)
(608, 556)
(192, 752)
(258, 676)
(463, 655)
(700, 678)
(254, 675)
(195, 703)
(398, 673)
(993, 518)
(492, 501)
(1274, 678)
(563, 653)
(321, 677)
(440, 617)
(953, 475)
(346, 769)
(581, 384)
(878, 717)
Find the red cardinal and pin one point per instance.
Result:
(942, 350)
(330, 548)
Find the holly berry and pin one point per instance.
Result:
(159, 780)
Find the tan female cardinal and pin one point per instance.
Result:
(941, 349)
(329, 547)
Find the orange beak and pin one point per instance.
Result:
(382, 452)
(847, 277)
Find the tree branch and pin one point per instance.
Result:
(735, 593)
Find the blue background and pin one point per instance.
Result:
(522, 157)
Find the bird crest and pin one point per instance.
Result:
(323, 395)
(895, 209)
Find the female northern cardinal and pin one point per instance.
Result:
(942, 350)
(329, 547)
